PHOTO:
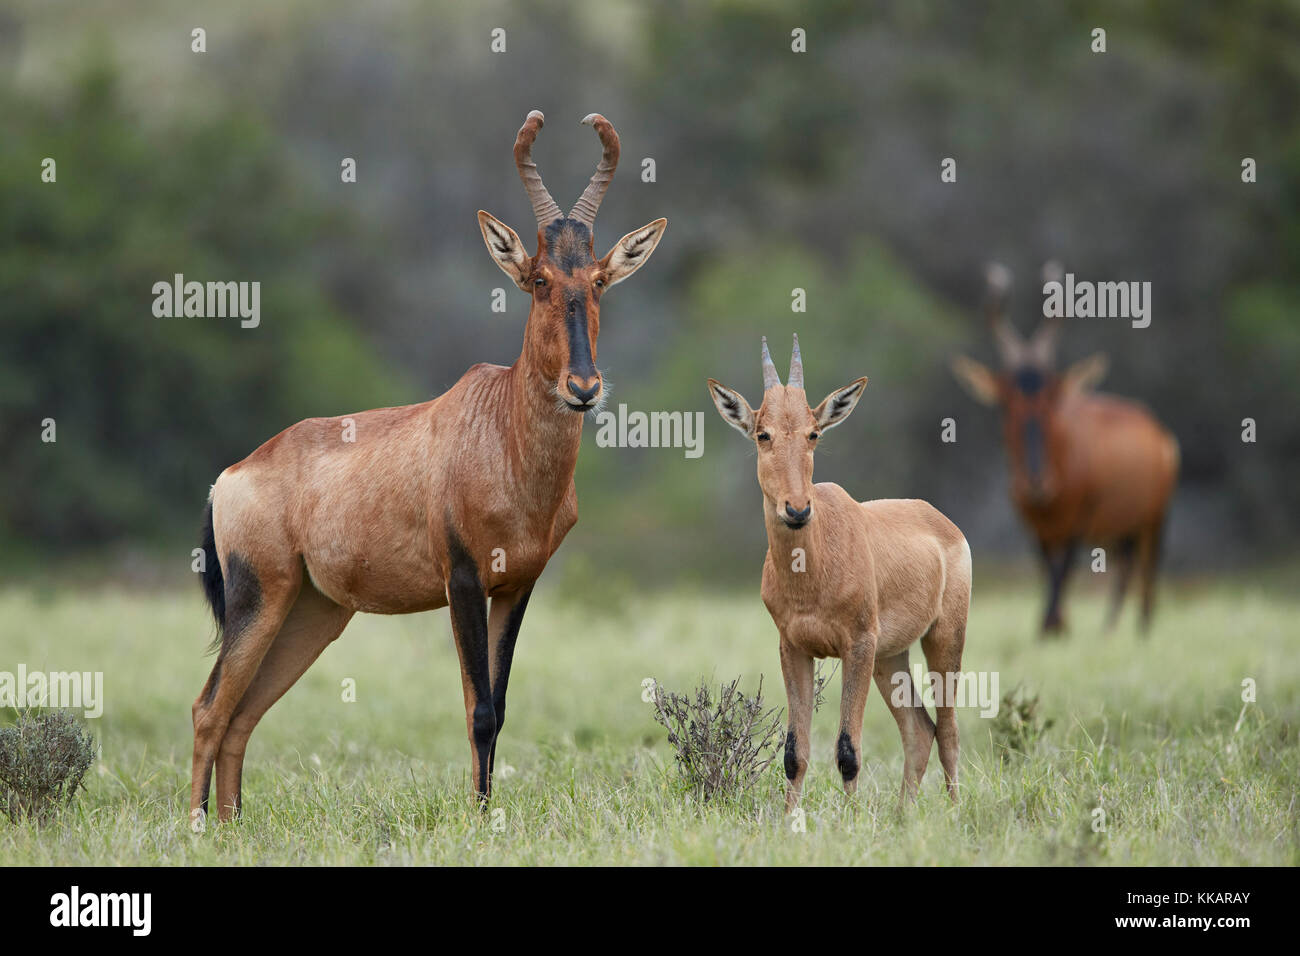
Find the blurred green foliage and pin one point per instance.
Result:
(776, 171)
(149, 410)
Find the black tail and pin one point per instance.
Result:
(214, 588)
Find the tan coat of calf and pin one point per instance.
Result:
(858, 581)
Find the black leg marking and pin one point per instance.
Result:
(505, 655)
(846, 758)
(469, 624)
(243, 600)
(241, 603)
(791, 756)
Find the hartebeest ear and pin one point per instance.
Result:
(1086, 373)
(507, 251)
(631, 252)
(977, 379)
(733, 408)
(836, 406)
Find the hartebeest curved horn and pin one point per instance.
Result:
(1041, 348)
(770, 378)
(584, 210)
(796, 366)
(1008, 341)
(544, 207)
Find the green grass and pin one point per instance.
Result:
(1148, 731)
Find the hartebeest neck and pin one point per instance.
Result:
(795, 551)
(544, 436)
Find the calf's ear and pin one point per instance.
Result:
(836, 406)
(733, 408)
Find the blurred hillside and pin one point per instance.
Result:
(776, 170)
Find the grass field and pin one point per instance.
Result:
(1151, 732)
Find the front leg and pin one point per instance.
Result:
(506, 616)
(470, 627)
(797, 668)
(858, 663)
(1059, 560)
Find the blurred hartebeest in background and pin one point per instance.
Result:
(1085, 467)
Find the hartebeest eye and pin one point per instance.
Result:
(539, 282)
(764, 436)
(600, 283)
(813, 436)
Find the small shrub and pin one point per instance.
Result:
(1019, 726)
(724, 745)
(43, 759)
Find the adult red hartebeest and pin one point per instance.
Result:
(861, 581)
(450, 502)
(1085, 467)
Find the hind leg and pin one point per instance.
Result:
(1148, 560)
(894, 680)
(943, 648)
(1124, 557)
(257, 602)
(313, 624)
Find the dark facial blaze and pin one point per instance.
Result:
(1031, 384)
(568, 254)
(1030, 380)
(1032, 438)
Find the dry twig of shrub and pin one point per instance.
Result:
(723, 746)
(43, 758)
(820, 681)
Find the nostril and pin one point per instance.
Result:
(797, 515)
(583, 394)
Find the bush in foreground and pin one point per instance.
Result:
(722, 745)
(43, 759)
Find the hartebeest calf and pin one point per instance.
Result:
(450, 502)
(860, 581)
(1085, 467)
